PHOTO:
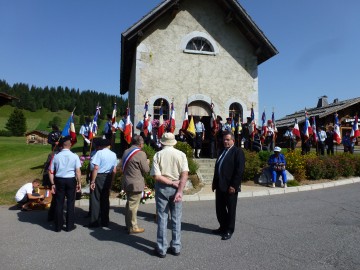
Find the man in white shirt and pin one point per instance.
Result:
(26, 195)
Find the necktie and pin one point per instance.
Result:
(221, 158)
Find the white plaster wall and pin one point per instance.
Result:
(164, 70)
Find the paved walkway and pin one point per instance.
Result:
(206, 194)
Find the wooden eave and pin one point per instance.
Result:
(234, 12)
(320, 112)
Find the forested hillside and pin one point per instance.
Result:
(35, 98)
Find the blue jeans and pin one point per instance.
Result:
(164, 197)
(276, 173)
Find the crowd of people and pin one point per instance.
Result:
(169, 169)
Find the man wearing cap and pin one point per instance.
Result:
(215, 145)
(227, 125)
(65, 179)
(84, 132)
(134, 165)
(290, 137)
(103, 173)
(277, 164)
(199, 136)
(229, 170)
(170, 171)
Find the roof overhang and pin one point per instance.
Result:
(263, 48)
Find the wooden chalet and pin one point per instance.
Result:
(37, 137)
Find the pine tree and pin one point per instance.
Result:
(16, 123)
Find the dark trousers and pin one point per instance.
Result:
(226, 210)
(52, 210)
(99, 203)
(65, 187)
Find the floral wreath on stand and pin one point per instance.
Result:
(145, 195)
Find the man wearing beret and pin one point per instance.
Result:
(65, 179)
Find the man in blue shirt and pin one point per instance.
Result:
(103, 173)
(65, 179)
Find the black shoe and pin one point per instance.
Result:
(172, 251)
(218, 231)
(159, 254)
(226, 236)
(57, 229)
(69, 230)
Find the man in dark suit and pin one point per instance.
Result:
(229, 170)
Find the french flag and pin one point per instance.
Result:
(146, 118)
(172, 119)
(113, 118)
(185, 124)
(264, 127)
(128, 127)
(252, 125)
(337, 133)
(355, 129)
(93, 125)
(314, 130)
(161, 129)
(69, 129)
(296, 130)
(307, 128)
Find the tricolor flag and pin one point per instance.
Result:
(113, 118)
(274, 126)
(264, 127)
(307, 128)
(191, 127)
(213, 124)
(314, 132)
(146, 118)
(337, 133)
(355, 129)
(69, 129)
(252, 125)
(296, 130)
(186, 119)
(128, 127)
(171, 127)
(161, 129)
(93, 127)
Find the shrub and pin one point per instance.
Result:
(315, 168)
(5, 133)
(292, 183)
(357, 165)
(252, 165)
(347, 164)
(264, 158)
(193, 166)
(185, 148)
(295, 164)
(332, 167)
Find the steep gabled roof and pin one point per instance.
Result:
(321, 112)
(235, 13)
(5, 98)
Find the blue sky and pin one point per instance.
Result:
(76, 43)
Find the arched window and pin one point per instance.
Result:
(236, 111)
(160, 102)
(199, 44)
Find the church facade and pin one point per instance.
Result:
(195, 52)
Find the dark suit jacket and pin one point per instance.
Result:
(232, 170)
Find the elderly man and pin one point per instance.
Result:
(277, 164)
(134, 165)
(170, 171)
(103, 173)
(229, 170)
(65, 179)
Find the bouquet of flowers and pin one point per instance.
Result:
(155, 123)
(122, 195)
(146, 194)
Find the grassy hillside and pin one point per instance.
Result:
(39, 120)
(34, 120)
